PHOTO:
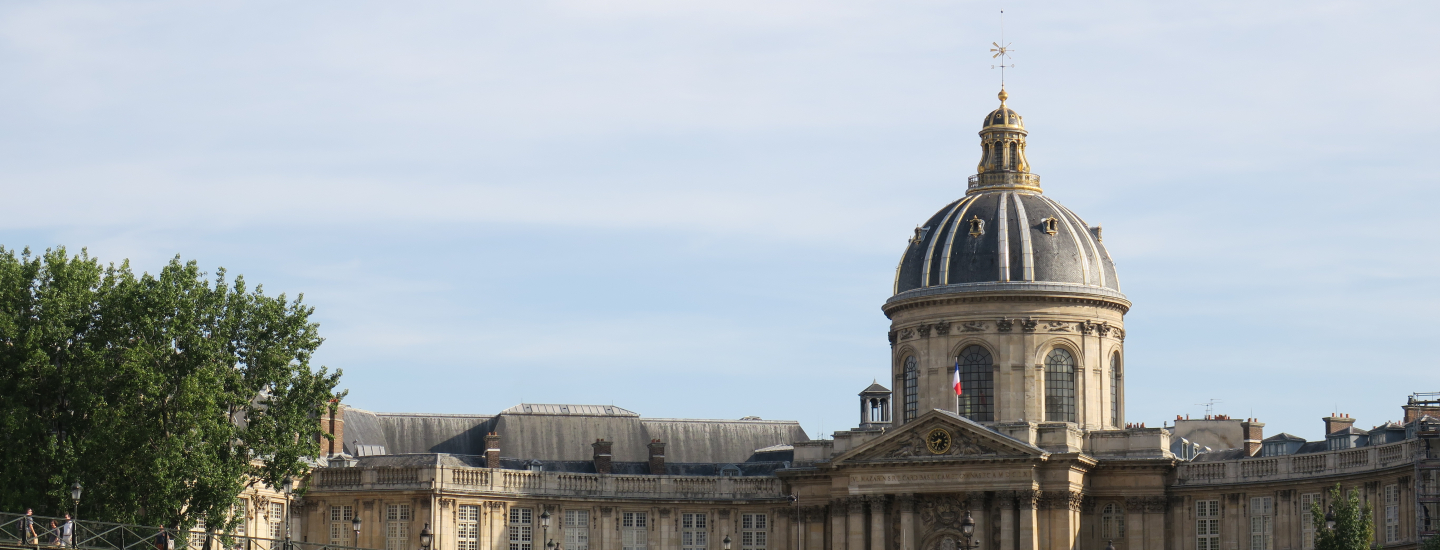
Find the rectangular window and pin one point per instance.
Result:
(521, 524)
(239, 512)
(912, 396)
(577, 530)
(340, 517)
(1207, 525)
(276, 518)
(693, 532)
(467, 527)
(1307, 520)
(754, 531)
(397, 526)
(1392, 513)
(1262, 523)
(633, 531)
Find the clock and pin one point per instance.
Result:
(938, 441)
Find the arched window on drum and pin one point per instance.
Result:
(1059, 386)
(1115, 390)
(912, 380)
(977, 382)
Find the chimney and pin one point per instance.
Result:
(1253, 433)
(492, 450)
(657, 457)
(1337, 422)
(335, 426)
(602, 455)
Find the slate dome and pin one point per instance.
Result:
(1005, 235)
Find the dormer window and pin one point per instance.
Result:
(730, 470)
(977, 226)
(1052, 225)
(536, 466)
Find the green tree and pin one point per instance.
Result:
(1354, 522)
(1432, 543)
(164, 395)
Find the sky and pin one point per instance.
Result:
(694, 209)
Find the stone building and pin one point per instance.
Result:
(1005, 291)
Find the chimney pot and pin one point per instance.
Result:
(602, 455)
(492, 450)
(657, 457)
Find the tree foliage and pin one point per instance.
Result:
(164, 395)
(1354, 522)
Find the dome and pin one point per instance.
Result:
(1005, 235)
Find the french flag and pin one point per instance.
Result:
(957, 376)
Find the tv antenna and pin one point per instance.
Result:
(1210, 405)
(1001, 51)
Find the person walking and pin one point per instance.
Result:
(67, 533)
(27, 529)
(162, 539)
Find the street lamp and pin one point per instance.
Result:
(425, 537)
(726, 542)
(355, 523)
(75, 490)
(1330, 518)
(967, 528)
(1110, 545)
(545, 524)
(286, 486)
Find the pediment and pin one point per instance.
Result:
(920, 439)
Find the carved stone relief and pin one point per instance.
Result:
(906, 334)
(924, 331)
(1004, 325)
(942, 328)
(1028, 325)
(942, 511)
(975, 326)
(1057, 326)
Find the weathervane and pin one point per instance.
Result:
(1002, 51)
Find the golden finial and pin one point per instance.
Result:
(1003, 96)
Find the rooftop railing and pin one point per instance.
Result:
(522, 482)
(100, 535)
(1294, 467)
(1004, 179)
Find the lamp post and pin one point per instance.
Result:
(545, 526)
(1330, 518)
(1110, 545)
(425, 537)
(355, 523)
(286, 487)
(967, 528)
(726, 543)
(75, 490)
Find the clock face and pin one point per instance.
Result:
(938, 441)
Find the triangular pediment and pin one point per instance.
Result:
(939, 435)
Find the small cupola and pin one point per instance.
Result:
(1002, 152)
(875, 407)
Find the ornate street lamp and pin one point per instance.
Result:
(1110, 545)
(1330, 518)
(425, 536)
(75, 490)
(545, 525)
(287, 486)
(355, 523)
(726, 542)
(967, 528)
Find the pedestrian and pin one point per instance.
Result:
(54, 538)
(162, 539)
(27, 529)
(67, 532)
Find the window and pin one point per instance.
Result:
(754, 532)
(276, 517)
(239, 513)
(1392, 513)
(577, 529)
(633, 531)
(1207, 525)
(977, 383)
(912, 400)
(1262, 523)
(1112, 522)
(520, 528)
(1115, 390)
(340, 517)
(1059, 386)
(397, 526)
(693, 531)
(467, 527)
(1307, 520)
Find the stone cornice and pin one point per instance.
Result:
(1006, 292)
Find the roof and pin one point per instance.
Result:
(548, 433)
(1348, 430)
(875, 387)
(573, 410)
(1282, 436)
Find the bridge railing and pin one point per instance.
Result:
(101, 535)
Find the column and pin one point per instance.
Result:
(607, 528)
(906, 504)
(782, 522)
(837, 525)
(815, 528)
(1007, 520)
(1135, 523)
(855, 525)
(1028, 521)
(1155, 523)
(877, 522)
(666, 527)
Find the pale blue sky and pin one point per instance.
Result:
(694, 209)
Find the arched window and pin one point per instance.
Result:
(912, 400)
(1112, 522)
(1059, 386)
(977, 383)
(1115, 390)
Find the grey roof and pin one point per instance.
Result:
(875, 387)
(1282, 436)
(1348, 430)
(948, 254)
(567, 436)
